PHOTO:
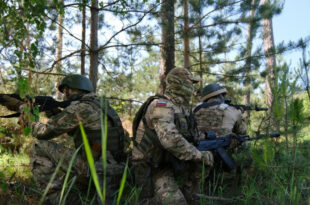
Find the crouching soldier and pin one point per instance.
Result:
(85, 108)
(167, 164)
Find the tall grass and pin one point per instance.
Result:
(51, 180)
(104, 140)
(100, 187)
(104, 133)
(91, 163)
(61, 201)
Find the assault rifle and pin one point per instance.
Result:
(43, 103)
(245, 107)
(220, 144)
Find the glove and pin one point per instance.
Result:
(207, 158)
(234, 142)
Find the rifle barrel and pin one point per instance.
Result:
(271, 135)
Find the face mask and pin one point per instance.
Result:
(180, 87)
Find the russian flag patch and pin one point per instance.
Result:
(161, 104)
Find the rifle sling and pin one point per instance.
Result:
(206, 105)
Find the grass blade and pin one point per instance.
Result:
(68, 173)
(104, 139)
(91, 162)
(51, 180)
(70, 187)
(122, 185)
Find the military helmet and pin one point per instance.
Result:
(76, 81)
(212, 90)
(182, 73)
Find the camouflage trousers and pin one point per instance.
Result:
(45, 156)
(171, 187)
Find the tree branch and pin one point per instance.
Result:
(123, 29)
(43, 72)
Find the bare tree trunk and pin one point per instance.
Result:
(59, 52)
(93, 71)
(200, 62)
(83, 47)
(248, 62)
(167, 48)
(200, 53)
(305, 66)
(270, 59)
(186, 35)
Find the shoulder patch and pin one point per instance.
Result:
(161, 104)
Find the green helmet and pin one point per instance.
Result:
(212, 90)
(76, 81)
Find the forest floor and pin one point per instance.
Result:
(16, 182)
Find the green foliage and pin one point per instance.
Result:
(91, 163)
(51, 180)
(122, 185)
(131, 72)
(62, 199)
(263, 155)
(3, 184)
(296, 111)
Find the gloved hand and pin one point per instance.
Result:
(234, 142)
(207, 158)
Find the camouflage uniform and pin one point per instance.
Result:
(220, 117)
(152, 157)
(45, 155)
(214, 115)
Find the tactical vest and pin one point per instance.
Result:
(186, 125)
(212, 119)
(115, 132)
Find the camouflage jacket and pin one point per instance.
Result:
(67, 121)
(160, 116)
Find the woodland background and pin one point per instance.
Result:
(127, 48)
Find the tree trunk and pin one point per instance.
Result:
(248, 62)
(83, 47)
(305, 66)
(270, 65)
(167, 48)
(186, 36)
(93, 71)
(200, 62)
(270, 58)
(59, 52)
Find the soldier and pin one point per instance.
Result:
(214, 115)
(163, 153)
(84, 108)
